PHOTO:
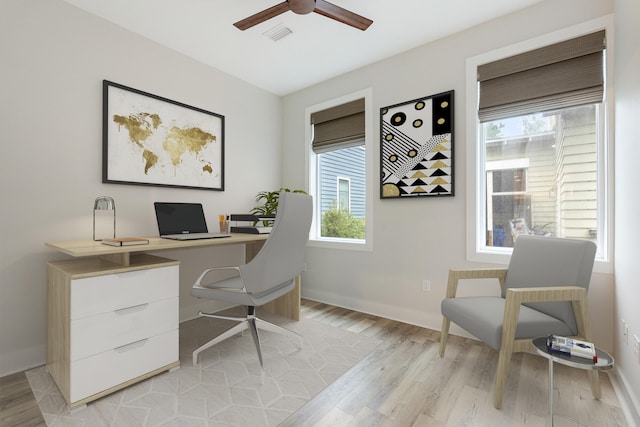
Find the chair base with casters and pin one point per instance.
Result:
(544, 291)
(250, 322)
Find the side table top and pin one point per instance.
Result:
(605, 360)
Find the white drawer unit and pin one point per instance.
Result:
(110, 325)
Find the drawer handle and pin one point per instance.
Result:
(131, 346)
(133, 308)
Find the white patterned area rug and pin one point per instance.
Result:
(226, 388)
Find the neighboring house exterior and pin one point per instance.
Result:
(342, 180)
(544, 183)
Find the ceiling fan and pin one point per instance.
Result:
(303, 7)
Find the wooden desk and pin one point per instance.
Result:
(112, 312)
(287, 305)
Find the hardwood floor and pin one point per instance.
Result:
(18, 407)
(404, 382)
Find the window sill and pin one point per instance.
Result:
(345, 244)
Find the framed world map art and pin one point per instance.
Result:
(416, 148)
(150, 140)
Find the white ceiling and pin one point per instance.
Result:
(318, 49)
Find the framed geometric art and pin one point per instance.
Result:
(416, 148)
(151, 140)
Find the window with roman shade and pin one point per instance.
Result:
(561, 75)
(338, 127)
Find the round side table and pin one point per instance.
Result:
(605, 361)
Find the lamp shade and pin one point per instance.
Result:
(104, 203)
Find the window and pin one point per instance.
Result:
(541, 151)
(508, 202)
(556, 193)
(344, 193)
(339, 166)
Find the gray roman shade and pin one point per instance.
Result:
(562, 75)
(338, 127)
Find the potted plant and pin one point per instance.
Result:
(269, 207)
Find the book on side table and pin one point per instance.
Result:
(571, 347)
(125, 241)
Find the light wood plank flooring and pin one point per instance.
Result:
(404, 382)
(18, 406)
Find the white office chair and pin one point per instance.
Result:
(269, 275)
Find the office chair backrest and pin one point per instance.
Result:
(281, 259)
(551, 261)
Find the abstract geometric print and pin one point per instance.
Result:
(416, 148)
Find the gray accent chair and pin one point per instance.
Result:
(544, 291)
(269, 275)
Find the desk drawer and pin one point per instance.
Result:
(97, 373)
(102, 332)
(102, 294)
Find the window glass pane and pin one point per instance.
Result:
(509, 180)
(342, 206)
(556, 194)
(343, 190)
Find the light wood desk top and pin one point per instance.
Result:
(120, 254)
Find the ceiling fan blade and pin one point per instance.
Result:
(262, 16)
(345, 16)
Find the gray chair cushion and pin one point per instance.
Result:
(483, 316)
(282, 256)
(272, 272)
(548, 261)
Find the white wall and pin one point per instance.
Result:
(53, 58)
(422, 238)
(627, 129)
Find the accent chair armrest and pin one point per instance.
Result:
(456, 275)
(577, 295)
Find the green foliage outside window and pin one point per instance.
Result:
(340, 223)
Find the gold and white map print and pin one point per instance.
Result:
(416, 147)
(152, 140)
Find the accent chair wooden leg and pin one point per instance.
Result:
(444, 335)
(501, 375)
(594, 381)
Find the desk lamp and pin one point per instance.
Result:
(104, 203)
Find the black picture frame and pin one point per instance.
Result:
(151, 140)
(416, 148)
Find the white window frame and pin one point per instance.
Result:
(476, 173)
(311, 169)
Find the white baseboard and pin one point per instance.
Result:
(23, 360)
(626, 396)
(412, 317)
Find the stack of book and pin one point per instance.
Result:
(571, 347)
(251, 224)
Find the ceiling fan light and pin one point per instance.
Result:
(302, 7)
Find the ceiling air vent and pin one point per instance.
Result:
(278, 32)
